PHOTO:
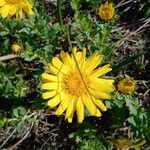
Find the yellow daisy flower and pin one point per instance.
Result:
(126, 85)
(16, 48)
(73, 84)
(122, 143)
(106, 11)
(126, 143)
(9, 8)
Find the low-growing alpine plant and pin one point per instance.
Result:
(66, 78)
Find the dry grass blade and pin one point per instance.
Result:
(122, 40)
(7, 57)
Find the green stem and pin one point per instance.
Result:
(59, 3)
(76, 62)
(68, 37)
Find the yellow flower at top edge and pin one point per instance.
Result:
(70, 90)
(106, 11)
(9, 8)
(126, 85)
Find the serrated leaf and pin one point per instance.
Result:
(84, 22)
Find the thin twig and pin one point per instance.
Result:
(121, 3)
(9, 56)
(45, 142)
(119, 43)
(8, 138)
(20, 141)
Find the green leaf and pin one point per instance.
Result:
(84, 21)
(118, 116)
(20, 126)
(4, 33)
(19, 111)
(2, 121)
(22, 111)
(15, 112)
(127, 60)
(132, 121)
(75, 4)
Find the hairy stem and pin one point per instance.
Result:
(59, 4)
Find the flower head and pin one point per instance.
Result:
(16, 48)
(126, 85)
(106, 11)
(126, 143)
(122, 143)
(9, 8)
(73, 83)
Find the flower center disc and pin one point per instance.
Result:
(73, 84)
(127, 83)
(106, 11)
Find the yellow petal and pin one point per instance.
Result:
(59, 65)
(98, 113)
(4, 11)
(51, 86)
(80, 57)
(52, 69)
(80, 110)
(62, 107)
(70, 107)
(17, 14)
(13, 10)
(27, 8)
(92, 62)
(56, 62)
(100, 71)
(54, 101)
(67, 59)
(72, 113)
(2, 2)
(99, 94)
(47, 95)
(63, 104)
(74, 50)
(75, 54)
(100, 104)
(84, 51)
(70, 119)
(83, 58)
(89, 104)
(49, 77)
(20, 14)
(102, 85)
(71, 116)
